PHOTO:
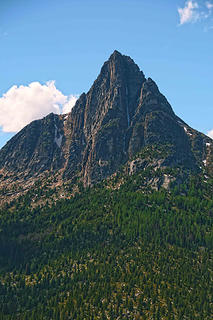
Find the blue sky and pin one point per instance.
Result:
(52, 51)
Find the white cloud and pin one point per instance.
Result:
(3, 33)
(21, 105)
(209, 5)
(210, 133)
(71, 100)
(194, 11)
(189, 13)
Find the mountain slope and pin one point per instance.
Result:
(138, 244)
(109, 254)
(122, 113)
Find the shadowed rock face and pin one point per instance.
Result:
(35, 148)
(122, 113)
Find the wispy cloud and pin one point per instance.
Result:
(23, 104)
(194, 11)
(210, 133)
(189, 13)
(3, 33)
(209, 5)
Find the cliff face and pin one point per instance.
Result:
(101, 119)
(122, 113)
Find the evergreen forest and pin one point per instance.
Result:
(109, 253)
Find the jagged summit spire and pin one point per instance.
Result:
(117, 57)
(120, 66)
(116, 54)
(116, 91)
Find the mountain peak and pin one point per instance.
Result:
(116, 53)
(118, 56)
(124, 61)
(122, 113)
(119, 62)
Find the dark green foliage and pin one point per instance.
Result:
(109, 254)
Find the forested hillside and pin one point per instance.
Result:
(110, 253)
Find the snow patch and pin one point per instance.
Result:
(127, 107)
(208, 144)
(185, 129)
(124, 143)
(204, 162)
(58, 140)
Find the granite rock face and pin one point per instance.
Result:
(122, 113)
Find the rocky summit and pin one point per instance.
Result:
(122, 122)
